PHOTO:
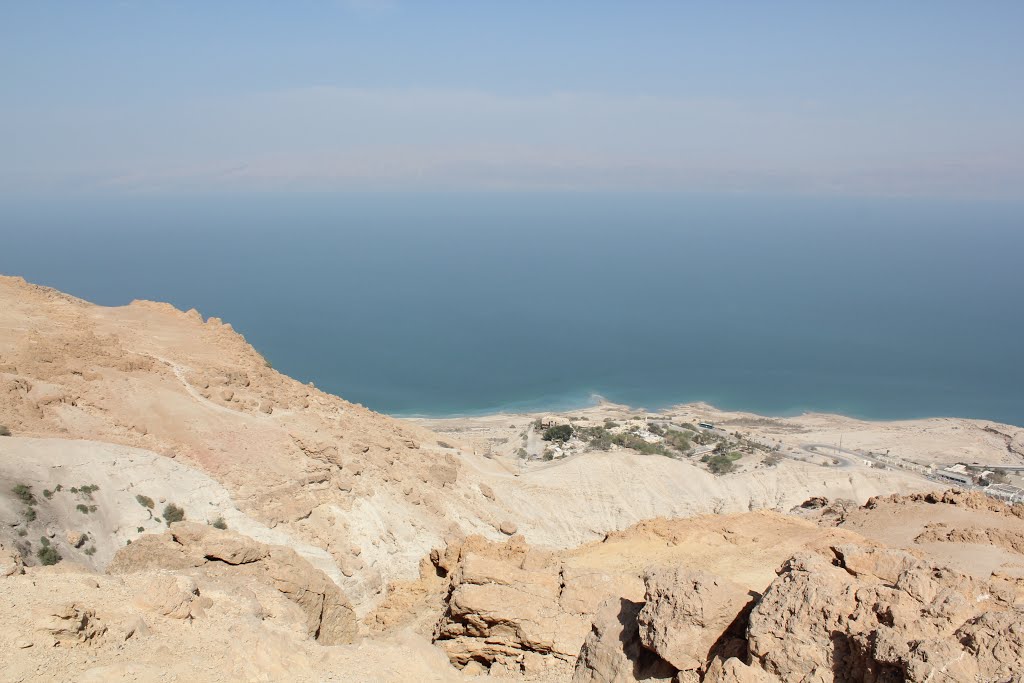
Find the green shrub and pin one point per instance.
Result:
(84, 509)
(141, 529)
(47, 494)
(58, 488)
(90, 551)
(24, 493)
(521, 453)
(655, 429)
(219, 523)
(677, 440)
(22, 532)
(48, 555)
(631, 440)
(145, 501)
(173, 513)
(560, 433)
(30, 514)
(86, 491)
(44, 540)
(721, 463)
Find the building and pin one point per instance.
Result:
(1006, 492)
(957, 474)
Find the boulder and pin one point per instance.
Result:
(508, 528)
(824, 620)
(199, 547)
(688, 615)
(171, 596)
(10, 562)
(612, 651)
(71, 624)
(216, 544)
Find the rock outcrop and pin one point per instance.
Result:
(852, 614)
(190, 546)
(518, 608)
(613, 653)
(689, 615)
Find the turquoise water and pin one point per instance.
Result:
(442, 304)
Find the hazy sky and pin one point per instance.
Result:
(155, 96)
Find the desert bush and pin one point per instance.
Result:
(655, 429)
(29, 514)
(84, 509)
(560, 433)
(631, 440)
(145, 501)
(219, 523)
(4, 431)
(677, 440)
(47, 494)
(521, 453)
(22, 532)
(86, 491)
(173, 513)
(48, 555)
(772, 459)
(24, 494)
(44, 540)
(444, 444)
(598, 438)
(721, 463)
(140, 529)
(91, 550)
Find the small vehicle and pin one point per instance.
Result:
(705, 425)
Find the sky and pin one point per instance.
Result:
(912, 98)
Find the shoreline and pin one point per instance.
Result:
(598, 401)
(925, 442)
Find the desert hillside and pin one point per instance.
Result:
(163, 490)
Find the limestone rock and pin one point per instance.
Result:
(10, 562)
(171, 596)
(508, 528)
(613, 653)
(217, 544)
(687, 614)
(732, 670)
(329, 616)
(71, 624)
(820, 617)
(75, 538)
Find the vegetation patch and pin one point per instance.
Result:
(173, 513)
(559, 433)
(48, 555)
(219, 523)
(24, 494)
(721, 463)
(637, 443)
(145, 501)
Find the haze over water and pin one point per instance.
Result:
(442, 303)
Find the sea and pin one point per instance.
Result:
(469, 303)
